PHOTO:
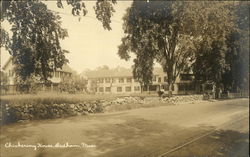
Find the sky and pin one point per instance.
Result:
(89, 44)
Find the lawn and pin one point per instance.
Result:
(57, 105)
(59, 98)
(52, 98)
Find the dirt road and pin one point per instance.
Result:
(145, 132)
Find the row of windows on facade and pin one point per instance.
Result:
(183, 77)
(119, 89)
(60, 74)
(120, 80)
(136, 88)
(181, 87)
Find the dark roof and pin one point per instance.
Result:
(7, 62)
(118, 72)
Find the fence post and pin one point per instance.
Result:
(43, 88)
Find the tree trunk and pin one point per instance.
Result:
(170, 89)
(170, 81)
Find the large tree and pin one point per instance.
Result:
(35, 43)
(237, 55)
(224, 57)
(168, 32)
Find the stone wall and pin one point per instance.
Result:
(183, 99)
(15, 113)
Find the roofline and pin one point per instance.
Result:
(91, 77)
(10, 58)
(109, 76)
(4, 66)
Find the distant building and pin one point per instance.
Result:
(121, 80)
(8, 69)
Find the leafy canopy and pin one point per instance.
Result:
(169, 33)
(35, 43)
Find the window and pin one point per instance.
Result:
(62, 74)
(113, 80)
(128, 89)
(121, 80)
(137, 88)
(136, 80)
(154, 78)
(119, 89)
(11, 72)
(108, 89)
(100, 89)
(100, 80)
(129, 79)
(159, 79)
(165, 78)
(107, 80)
(56, 74)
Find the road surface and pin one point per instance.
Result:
(145, 132)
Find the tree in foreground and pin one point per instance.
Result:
(35, 43)
(225, 61)
(237, 56)
(168, 32)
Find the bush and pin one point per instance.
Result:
(44, 111)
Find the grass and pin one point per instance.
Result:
(52, 98)
(59, 98)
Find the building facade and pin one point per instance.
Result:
(120, 81)
(10, 85)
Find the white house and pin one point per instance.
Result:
(58, 76)
(121, 80)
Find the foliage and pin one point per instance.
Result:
(237, 55)
(4, 40)
(29, 85)
(210, 63)
(53, 98)
(169, 31)
(35, 44)
(93, 86)
(224, 58)
(104, 10)
(74, 84)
